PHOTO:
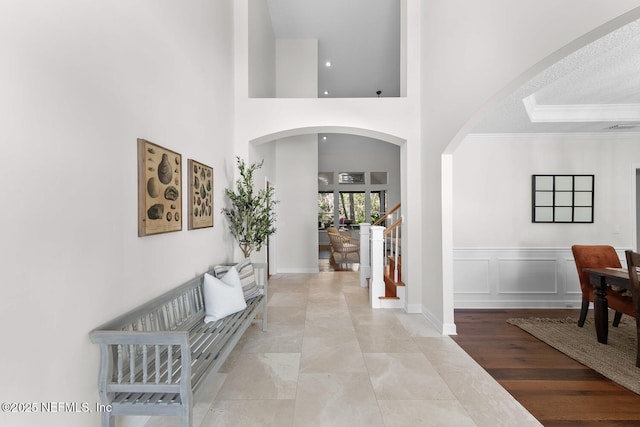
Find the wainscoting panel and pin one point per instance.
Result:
(527, 276)
(516, 278)
(472, 276)
(573, 283)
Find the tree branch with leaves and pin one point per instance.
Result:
(252, 214)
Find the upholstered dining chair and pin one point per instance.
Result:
(599, 256)
(633, 263)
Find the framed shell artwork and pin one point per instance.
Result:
(200, 195)
(159, 189)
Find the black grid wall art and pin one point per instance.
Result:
(562, 198)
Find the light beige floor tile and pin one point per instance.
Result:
(378, 322)
(290, 316)
(357, 300)
(284, 284)
(328, 313)
(375, 340)
(288, 299)
(336, 400)
(332, 287)
(486, 401)
(446, 355)
(263, 413)
(336, 327)
(276, 339)
(427, 413)
(327, 300)
(417, 325)
(331, 354)
(405, 376)
(262, 376)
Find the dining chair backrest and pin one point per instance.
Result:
(593, 256)
(633, 263)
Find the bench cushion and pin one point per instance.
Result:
(223, 296)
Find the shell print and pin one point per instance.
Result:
(155, 211)
(171, 193)
(153, 188)
(165, 174)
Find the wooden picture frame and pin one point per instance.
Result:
(159, 189)
(200, 195)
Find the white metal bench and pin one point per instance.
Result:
(153, 358)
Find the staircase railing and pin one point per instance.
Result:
(392, 238)
(377, 244)
(383, 218)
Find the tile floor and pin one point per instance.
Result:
(328, 359)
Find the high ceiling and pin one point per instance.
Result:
(595, 89)
(361, 39)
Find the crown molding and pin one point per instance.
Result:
(580, 113)
(566, 136)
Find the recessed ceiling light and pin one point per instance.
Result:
(327, 64)
(324, 138)
(326, 92)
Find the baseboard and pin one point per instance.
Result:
(443, 328)
(518, 304)
(414, 308)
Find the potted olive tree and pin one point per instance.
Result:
(251, 215)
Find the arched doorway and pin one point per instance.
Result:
(292, 164)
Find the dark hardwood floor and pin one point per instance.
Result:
(556, 389)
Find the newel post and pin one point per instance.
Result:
(377, 266)
(365, 264)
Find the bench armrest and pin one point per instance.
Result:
(136, 362)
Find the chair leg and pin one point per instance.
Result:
(583, 312)
(616, 319)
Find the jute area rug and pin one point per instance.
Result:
(615, 360)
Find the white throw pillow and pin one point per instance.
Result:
(223, 296)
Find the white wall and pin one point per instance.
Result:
(297, 185)
(503, 259)
(80, 81)
(262, 51)
(492, 189)
(296, 68)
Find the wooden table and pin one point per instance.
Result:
(599, 279)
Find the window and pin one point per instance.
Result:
(325, 178)
(352, 207)
(562, 198)
(325, 209)
(378, 202)
(351, 178)
(378, 178)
